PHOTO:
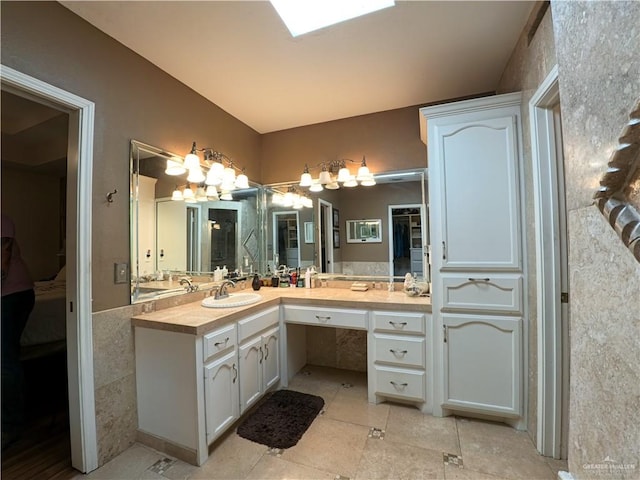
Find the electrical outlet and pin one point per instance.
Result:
(120, 273)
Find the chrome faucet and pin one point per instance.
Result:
(222, 292)
(190, 287)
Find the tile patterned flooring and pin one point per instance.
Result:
(354, 440)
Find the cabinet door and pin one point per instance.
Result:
(271, 362)
(250, 364)
(221, 395)
(482, 364)
(478, 165)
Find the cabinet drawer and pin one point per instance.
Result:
(399, 322)
(219, 340)
(397, 350)
(329, 317)
(400, 383)
(248, 327)
(498, 293)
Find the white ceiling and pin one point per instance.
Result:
(240, 56)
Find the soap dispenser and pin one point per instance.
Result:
(225, 272)
(256, 283)
(217, 274)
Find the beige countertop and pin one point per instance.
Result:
(195, 319)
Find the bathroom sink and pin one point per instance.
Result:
(233, 300)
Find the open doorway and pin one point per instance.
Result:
(551, 269)
(34, 184)
(77, 274)
(325, 245)
(286, 238)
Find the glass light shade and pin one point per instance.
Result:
(191, 160)
(217, 168)
(307, 202)
(325, 177)
(228, 187)
(277, 198)
(213, 178)
(212, 192)
(306, 180)
(288, 199)
(201, 195)
(196, 175)
(229, 175)
(352, 182)
(368, 182)
(175, 167)
(363, 173)
(298, 205)
(177, 195)
(316, 187)
(242, 181)
(226, 196)
(188, 193)
(332, 186)
(344, 174)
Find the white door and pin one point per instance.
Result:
(250, 365)
(172, 235)
(482, 364)
(271, 362)
(479, 194)
(221, 395)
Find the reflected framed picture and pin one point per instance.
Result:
(336, 218)
(336, 239)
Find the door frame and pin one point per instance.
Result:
(283, 213)
(553, 382)
(328, 237)
(82, 418)
(391, 208)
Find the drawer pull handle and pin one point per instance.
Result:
(235, 373)
(217, 344)
(396, 324)
(471, 279)
(401, 385)
(398, 352)
(323, 319)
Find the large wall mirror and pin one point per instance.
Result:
(317, 235)
(173, 239)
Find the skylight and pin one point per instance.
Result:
(303, 16)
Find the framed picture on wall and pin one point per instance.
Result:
(336, 239)
(336, 218)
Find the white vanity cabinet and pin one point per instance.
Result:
(259, 355)
(398, 360)
(222, 406)
(191, 388)
(482, 364)
(478, 280)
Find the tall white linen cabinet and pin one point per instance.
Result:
(477, 255)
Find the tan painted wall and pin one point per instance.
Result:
(390, 141)
(134, 100)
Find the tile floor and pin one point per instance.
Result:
(352, 439)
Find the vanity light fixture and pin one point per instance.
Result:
(216, 170)
(336, 172)
(291, 199)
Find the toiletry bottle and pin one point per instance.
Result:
(256, 283)
(300, 279)
(225, 272)
(217, 274)
(294, 279)
(275, 280)
(307, 278)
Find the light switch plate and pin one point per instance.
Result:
(120, 273)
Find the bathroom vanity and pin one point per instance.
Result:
(198, 369)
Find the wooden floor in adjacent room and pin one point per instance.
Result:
(42, 452)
